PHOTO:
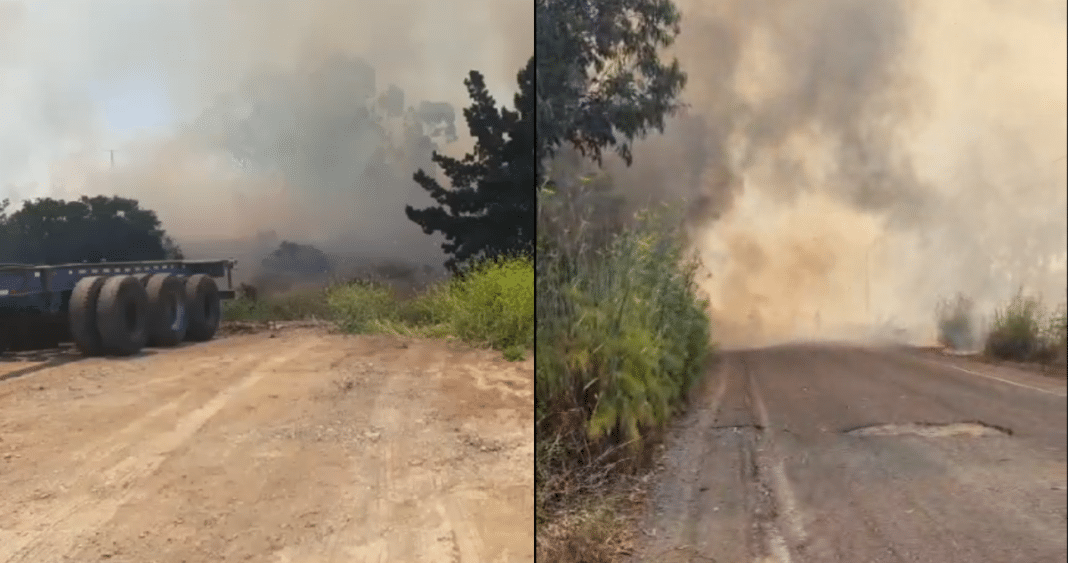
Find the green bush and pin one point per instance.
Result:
(1024, 330)
(492, 304)
(363, 307)
(1057, 336)
(622, 334)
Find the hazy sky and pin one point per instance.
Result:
(79, 77)
(131, 105)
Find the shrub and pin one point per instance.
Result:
(289, 306)
(494, 303)
(491, 304)
(621, 335)
(1059, 328)
(360, 307)
(1023, 330)
(955, 319)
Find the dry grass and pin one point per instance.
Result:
(596, 529)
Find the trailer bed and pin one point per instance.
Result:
(36, 300)
(45, 288)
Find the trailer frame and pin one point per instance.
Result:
(34, 296)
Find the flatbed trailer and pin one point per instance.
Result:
(113, 308)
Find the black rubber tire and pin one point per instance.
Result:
(81, 315)
(167, 315)
(143, 278)
(203, 308)
(122, 315)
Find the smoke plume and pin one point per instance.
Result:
(848, 163)
(305, 118)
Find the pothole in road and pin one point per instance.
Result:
(972, 429)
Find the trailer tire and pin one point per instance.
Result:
(203, 308)
(167, 317)
(143, 278)
(82, 315)
(122, 315)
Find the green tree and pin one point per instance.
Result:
(490, 208)
(600, 81)
(91, 229)
(7, 242)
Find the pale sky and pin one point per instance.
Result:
(125, 110)
(74, 78)
(79, 77)
(133, 105)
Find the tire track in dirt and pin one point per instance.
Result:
(390, 485)
(360, 449)
(53, 532)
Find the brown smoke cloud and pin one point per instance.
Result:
(849, 162)
(321, 166)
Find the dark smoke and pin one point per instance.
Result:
(767, 76)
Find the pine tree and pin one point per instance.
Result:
(490, 209)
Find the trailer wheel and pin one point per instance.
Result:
(122, 315)
(167, 322)
(82, 316)
(203, 308)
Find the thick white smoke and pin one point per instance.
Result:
(849, 162)
(293, 85)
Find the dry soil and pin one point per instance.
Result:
(280, 446)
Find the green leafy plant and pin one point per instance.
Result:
(622, 334)
(490, 304)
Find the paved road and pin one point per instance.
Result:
(840, 454)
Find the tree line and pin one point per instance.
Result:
(89, 229)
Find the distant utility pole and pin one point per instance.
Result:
(867, 277)
(112, 151)
(867, 281)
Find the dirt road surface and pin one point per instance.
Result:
(842, 454)
(303, 447)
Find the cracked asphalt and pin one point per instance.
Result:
(821, 453)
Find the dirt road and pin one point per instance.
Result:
(304, 447)
(840, 454)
